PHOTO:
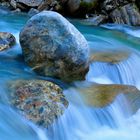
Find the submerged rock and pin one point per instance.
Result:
(40, 101)
(134, 100)
(7, 40)
(102, 95)
(4, 8)
(52, 46)
(110, 56)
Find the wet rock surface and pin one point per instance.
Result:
(122, 11)
(110, 5)
(52, 46)
(101, 95)
(110, 56)
(7, 40)
(25, 4)
(32, 3)
(40, 101)
(128, 14)
(52, 5)
(115, 11)
(134, 101)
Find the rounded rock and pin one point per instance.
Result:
(52, 46)
(40, 101)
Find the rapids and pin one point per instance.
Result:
(80, 122)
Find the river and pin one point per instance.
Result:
(80, 122)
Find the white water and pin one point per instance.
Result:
(126, 72)
(129, 30)
(113, 122)
(79, 122)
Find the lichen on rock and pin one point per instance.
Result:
(40, 101)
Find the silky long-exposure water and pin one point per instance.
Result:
(80, 122)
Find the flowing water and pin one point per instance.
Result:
(80, 122)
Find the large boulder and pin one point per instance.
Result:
(52, 46)
(7, 40)
(40, 101)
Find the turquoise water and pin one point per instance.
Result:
(79, 122)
